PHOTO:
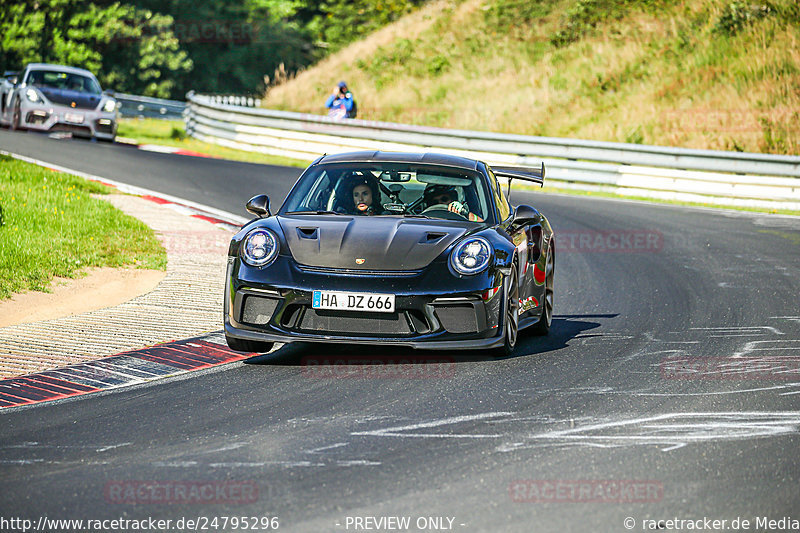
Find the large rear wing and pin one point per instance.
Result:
(536, 175)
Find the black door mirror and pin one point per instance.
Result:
(525, 215)
(259, 206)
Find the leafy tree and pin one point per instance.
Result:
(337, 23)
(129, 49)
(167, 47)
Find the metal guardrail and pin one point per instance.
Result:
(693, 175)
(132, 105)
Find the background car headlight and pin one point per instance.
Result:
(109, 106)
(471, 256)
(260, 247)
(32, 95)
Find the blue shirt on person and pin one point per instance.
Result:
(341, 103)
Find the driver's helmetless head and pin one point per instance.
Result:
(362, 194)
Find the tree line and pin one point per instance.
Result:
(164, 48)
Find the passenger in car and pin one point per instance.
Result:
(366, 196)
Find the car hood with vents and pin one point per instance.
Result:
(368, 242)
(76, 99)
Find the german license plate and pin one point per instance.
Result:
(75, 118)
(353, 301)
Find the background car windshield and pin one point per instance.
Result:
(401, 190)
(63, 80)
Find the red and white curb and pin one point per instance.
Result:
(121, 370)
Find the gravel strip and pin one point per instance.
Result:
(187, 302)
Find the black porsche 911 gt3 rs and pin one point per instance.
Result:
(421, 250)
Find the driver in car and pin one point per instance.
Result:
(447, 196)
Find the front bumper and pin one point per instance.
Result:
(81, 122)
(434, 309)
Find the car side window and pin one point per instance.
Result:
(503, 209)
(317, 199)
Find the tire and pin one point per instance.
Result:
(240, 345)
(543, 326)
(16, 118)
(510, 314)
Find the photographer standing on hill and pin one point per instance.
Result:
(341, 103)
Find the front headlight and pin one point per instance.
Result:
(32, 95)
(109, 106)
(471, 256)
(260, 247)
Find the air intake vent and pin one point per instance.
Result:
(458, 318)
(308, 233)
(431, 236)
(257, 310)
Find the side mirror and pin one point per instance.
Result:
(108, 92)
(259, 206)
(526, 214)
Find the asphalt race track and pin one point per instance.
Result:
(668, 389)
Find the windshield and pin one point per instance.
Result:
(391, 189)
(63, 80)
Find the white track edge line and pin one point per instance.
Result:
(138, 191)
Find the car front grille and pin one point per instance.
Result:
(354, 322)
(305, 319)
(82, 130)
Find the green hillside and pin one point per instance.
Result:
(695, 73)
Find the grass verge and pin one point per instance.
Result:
(173, 133)
(715, 74)
(51, 225)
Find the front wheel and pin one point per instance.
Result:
(240, 345)
(511, 314)
(543, 326)
(16, 118)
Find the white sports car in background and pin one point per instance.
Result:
(52, 98)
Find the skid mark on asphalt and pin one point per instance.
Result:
(763, 352)
(266, 464)
(87, 447)
(668, 432)
(650, 391)
(128, 368)
(768, 346)
(739, 331)
(410, 429)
